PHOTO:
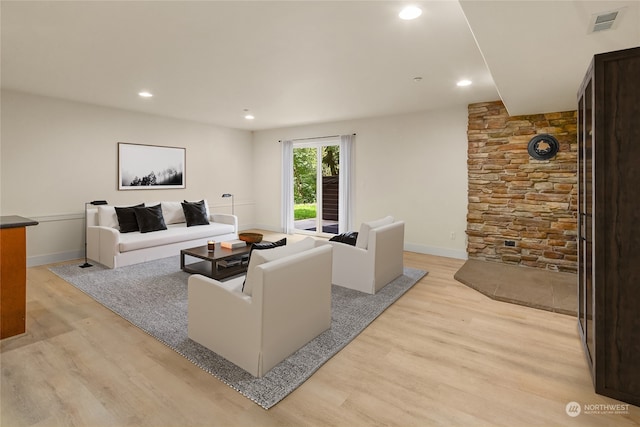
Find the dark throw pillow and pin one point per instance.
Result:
(195, 213)
(349, 238)
(267, 245)
(127, 218)
(263, 245)
(150, 218)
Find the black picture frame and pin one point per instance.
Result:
(151, 167)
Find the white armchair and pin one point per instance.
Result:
(286, 303)
(374, 261)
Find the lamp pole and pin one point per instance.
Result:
(95, 203)
(232, 204)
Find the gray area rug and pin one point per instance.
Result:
(153, 297)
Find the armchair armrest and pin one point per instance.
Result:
(352, 266)
(387, 242)
(295, 292)
(355, 255)
(212, 303)
(102, 244)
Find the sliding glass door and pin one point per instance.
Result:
(316, 178)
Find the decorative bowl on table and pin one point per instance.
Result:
(250, 238)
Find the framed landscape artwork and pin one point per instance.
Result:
(150, 167)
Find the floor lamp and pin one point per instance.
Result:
(95, 203)
(232, 207)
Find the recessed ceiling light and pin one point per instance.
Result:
(249, 117)
(464, 83)
(145, 94)
(410, 12)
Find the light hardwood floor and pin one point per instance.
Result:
(443, 354)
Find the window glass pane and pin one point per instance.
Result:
(330, 186)
(305, 188)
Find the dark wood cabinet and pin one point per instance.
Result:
(609, 222)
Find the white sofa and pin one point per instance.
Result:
(286, 303)
(106, 245)
(374, 261)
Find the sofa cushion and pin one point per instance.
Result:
(195, 213)
(172, 212)
(173, 234)
(127, 221)
(150, 218)
(272, 254)
(205, 203)
(365, 227)
(107, 216)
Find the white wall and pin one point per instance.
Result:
(412, 166)
(56, 155)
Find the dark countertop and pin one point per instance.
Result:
(15, 221)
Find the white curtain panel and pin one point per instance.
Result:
(345, 206)
(287, 187)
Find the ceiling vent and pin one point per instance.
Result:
(604, 21)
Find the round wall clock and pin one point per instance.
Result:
(543, 147)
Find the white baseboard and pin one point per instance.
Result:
(431, 250)
(34, 261)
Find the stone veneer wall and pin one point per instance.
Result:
(513, 197)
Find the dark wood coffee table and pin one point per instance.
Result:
(219, 264)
